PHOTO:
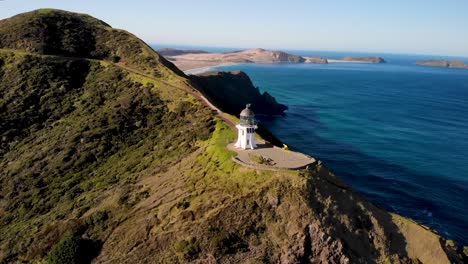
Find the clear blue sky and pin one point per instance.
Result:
(437, 27)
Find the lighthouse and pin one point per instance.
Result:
(246, 129)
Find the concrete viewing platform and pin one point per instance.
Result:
(269, 157)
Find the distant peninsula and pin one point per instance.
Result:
(176, 52)
(458, 64)
(194, 59)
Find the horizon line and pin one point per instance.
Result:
(172, 45)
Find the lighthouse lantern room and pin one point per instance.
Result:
(246, 129)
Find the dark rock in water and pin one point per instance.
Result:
(444, 63)
(230, 91)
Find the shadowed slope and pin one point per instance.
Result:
(230, 91)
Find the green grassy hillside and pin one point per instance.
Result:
(56, 32)
(71, 129)
(108, 155)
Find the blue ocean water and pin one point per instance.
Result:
(396, 132)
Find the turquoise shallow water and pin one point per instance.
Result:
(396, 132)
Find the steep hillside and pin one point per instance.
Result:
(104, 159)
(73, 130)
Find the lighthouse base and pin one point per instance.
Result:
(246, 137)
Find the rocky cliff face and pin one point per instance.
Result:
(108, 162)
(230, 91)
(280, 56)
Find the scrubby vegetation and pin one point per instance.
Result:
(262, 160)
(72, 249)
(189, 249)
(71, 129)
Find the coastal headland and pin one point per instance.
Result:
(111, 154)
(190, 60)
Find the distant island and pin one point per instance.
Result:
(458, 64)
(193, 59)
(370, 59)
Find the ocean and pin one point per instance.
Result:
(396, 132)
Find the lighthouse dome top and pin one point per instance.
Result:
(247, 117)
(247, 111)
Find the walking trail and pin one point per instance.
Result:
(266, 156)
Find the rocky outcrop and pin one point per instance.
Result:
(316, 60)
(280, 56)
(459, 64)
(230, 91)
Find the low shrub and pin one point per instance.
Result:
(73, 249)
(189, 249)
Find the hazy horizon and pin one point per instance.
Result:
(213, 48)
(431, 27)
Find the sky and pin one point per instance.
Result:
(433, 27)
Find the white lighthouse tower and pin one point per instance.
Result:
(246, 129)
